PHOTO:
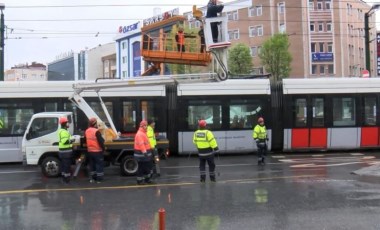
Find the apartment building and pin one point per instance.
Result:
(25, 72)
(326, 36)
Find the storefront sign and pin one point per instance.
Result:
(161, 17)
(125, 29)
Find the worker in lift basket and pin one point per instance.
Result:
(206, 144)
(65, 149)
(143, 155)
(213, 8)
(95, 149)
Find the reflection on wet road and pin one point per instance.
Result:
(290, 192)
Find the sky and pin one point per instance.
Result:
(41, 30)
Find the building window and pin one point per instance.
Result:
(124, 59)
(233, 34)
(232, 16)
(260, 31)
(259, 10)
(124, 74)
(281, 8)
(330, 69)
(312, 47)
(123, 45)
(282, 28)
(321, 69)
(251, 11)
(330, 47)
(313, 69)
(328, 5)
(252, 31)
(312, 27)
(319, 5)
(328, 26)
(254, 51)
(321, 47)
(320, 26)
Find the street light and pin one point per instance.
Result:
(366, 35)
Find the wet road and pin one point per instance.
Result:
(291, 192)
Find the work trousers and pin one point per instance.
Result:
(96, 165)
(261, 151)
(214, 31)
(210, 159)
(144, 170)
(66, 159)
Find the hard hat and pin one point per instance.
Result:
(260, 120)
(143, 123)
(202, 123)
(92, 121)
(63, 120)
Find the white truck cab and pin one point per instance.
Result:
(40, 141)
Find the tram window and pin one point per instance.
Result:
(14, 121)
(210, 112)
(129, 117)
(51, 107)
(369, 111)
(99, 110)
(244, 113)
(344, 111)
(300, 112)
(43, 126)
(318, 112)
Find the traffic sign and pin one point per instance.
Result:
(365, 73)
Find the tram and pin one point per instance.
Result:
(300, 114)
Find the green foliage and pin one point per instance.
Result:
(275, 56)
(240, 59)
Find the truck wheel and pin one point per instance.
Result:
(128, 166)
(51, 167)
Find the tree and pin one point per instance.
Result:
(275, 56)
(240, 59)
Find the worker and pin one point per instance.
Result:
(143, 155)
(65, 149)
(180, 39)
(260, 136)
(213, 8)
(201, 34)
(95, 149)
(206, 144)
(152, 141)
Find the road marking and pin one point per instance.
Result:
(324, 165)
(278, 157)
(7, 192)
(318, 155)
(356, 154)
(10, 172)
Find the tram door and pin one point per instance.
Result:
(370, 131)
(308, 129)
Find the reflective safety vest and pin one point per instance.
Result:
(64, 139)
(181, 38)
(204, 139)
(151, 137)
(141, 141)
(259, 132)
(91, 140)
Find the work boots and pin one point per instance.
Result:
(212, 178)
(203, 178)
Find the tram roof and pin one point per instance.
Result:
(228, 87)
(331, 85)
(62, 89)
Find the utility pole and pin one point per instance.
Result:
(366, 35)
(2, 31)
